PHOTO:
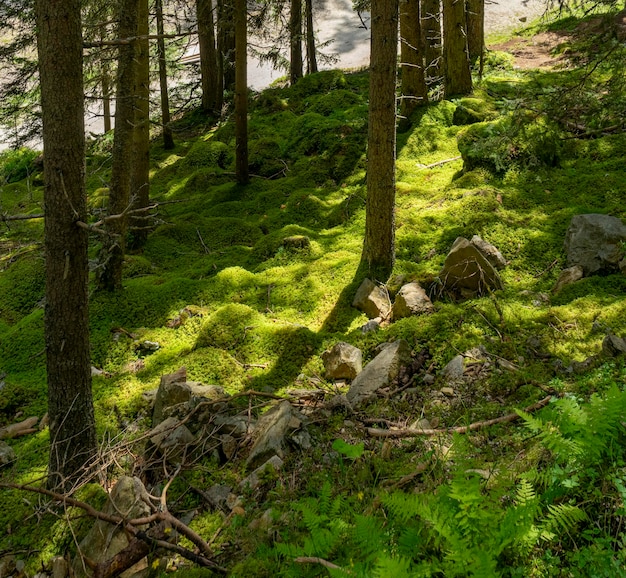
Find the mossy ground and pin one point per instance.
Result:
(263, 312)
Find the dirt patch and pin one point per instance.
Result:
(536, 52)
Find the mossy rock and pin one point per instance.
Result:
(212, 153)
(336, 101)
(472, 110)
(511, 141)
(270, 100)
(318, 83)
(265, 158)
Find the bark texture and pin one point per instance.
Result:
(379, 245)
(475, 28)
(457, 74)
(208, 55)
(311, 57)
(295, 41)
(226, 43)
(109, 274)
(168, 138)
(430, 11)
(241, 92)
(414, 90)
(70, 406)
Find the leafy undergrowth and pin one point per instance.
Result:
(222, 293)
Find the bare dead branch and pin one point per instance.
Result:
(408, 432)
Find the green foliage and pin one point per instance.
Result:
(17, 164)
(211, 153)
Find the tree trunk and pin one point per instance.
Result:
(241, 92)
(414, 91)
(226, 43)
(475, 28)
(168, 139)
(295, 41)
(140, 175)
(208, 55)
(70, 406)
(431, 32)
(311, 57)
(109, 275)
(456, 65)
(378, 248)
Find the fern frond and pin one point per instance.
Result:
(564, 516)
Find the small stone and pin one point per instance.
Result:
(7, 454)
(613, 345)
(491, 253)
(254, 479)
(507, 365)
(421, 424)
(372, 300)
(568, 276)
(447, 391)
(342, 361)
(428, 378)
(453, 369)
(229, 446)
(60, 567)
(411, 300)
(371, 325)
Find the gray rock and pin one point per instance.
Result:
(173, 390)
(428, 379)
(593, 242)
(467, 271)
(342, 361)
(490, 252)
(60, 567)
(211, 392)
(171, 439)
(614, 345)
(254, 479)
(371, 325)
(7, 565)
(128, 499)
(7, 454)
(379, 372)
(218, 496)
(272, 432)
(568, 276)
(372, 300)
(229, 446)
(411, 300)
(236, 426)
(453, 371)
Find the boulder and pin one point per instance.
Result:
(467, 271)
(372, 300)
(128, 499)
(491, 253)
(453, 371)
(411, 300)
(171, 439)
(272, 433)
(594, 242)
(379, 372)
(173, 390)
(342, 361)
(568, 276)
(7, 454)
(614, 345)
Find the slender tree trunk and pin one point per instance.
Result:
(140, 175)
(295, 41)
(168, 139)
(106, 97)
(226, 42)
(475, 28)
(208, 55)
(431, 32)
(66, 326)
(379, 245)
(109, 275)
(414, 90)
(241, 92)
(311, 57)
(456, 64)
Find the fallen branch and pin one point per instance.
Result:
(320, 561)
(131, 526)
(438, 163)
(407, 433)
(19, 429)
(5, 218)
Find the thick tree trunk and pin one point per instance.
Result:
(208, 55)
(109, 274)
(226, 43)
(241, 92)
(431, 32)
(456, 64)
(70, 407)
(140, 175)
(295, 41)
(311, 57)
(475, 28)
(414, 90)
(168, 139)
(379, 245)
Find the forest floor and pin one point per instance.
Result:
(247, 287)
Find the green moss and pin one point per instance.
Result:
(211, 153)
(22, 285)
